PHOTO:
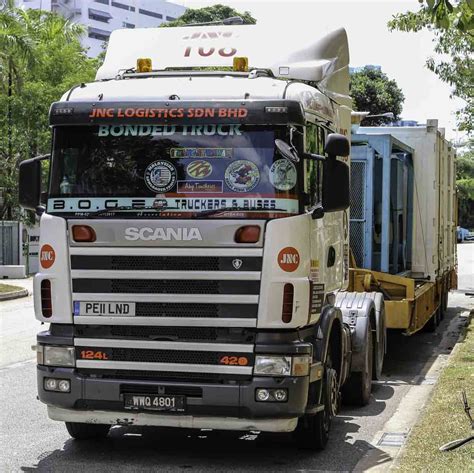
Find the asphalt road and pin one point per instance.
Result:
(29, 441)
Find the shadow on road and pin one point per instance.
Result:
(159, 449)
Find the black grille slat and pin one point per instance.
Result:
(138, 332)
(164, 286)
(146, 375)
(165, 263)
(166, 356)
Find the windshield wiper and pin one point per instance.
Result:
(122, 208)
(206, 213)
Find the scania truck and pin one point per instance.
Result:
(195, 238)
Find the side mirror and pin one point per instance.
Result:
(287, 151)
(336, 186)
(30, 182)
(337, 145)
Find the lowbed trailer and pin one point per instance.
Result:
(403, 221)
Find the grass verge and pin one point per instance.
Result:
(9, 288)
(444, 419)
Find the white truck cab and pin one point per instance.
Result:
(194, 237)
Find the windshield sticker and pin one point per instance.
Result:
(283, 175)
(191, 112)
(242, 175)
(83, 206)
(199, 169)
(204, 187)
(208, 153)
(160, 176)
(168, 130)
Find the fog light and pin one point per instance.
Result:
(51, 384)
(64, 385)
(263, 394)
(280, 395)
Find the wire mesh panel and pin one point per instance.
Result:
(357, 214)
(9, 254)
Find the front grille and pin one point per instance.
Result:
(146, 375)
(166, 263)
(165, 356)
(139, 332)
(164, 286)
(189, 391)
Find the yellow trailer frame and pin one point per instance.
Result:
(409, 303)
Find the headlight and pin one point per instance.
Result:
(58, 356)
(268, 365)
(275, 365)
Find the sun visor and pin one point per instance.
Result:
(302, 57)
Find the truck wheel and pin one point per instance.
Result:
(312, 432)
(356, 390)
(82, 431)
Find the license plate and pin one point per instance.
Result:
(156, 403)
(117, 309)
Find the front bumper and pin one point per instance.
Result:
(219, 406)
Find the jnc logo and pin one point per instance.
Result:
(47, 256)
(289, 259)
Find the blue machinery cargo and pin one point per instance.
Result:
(402, 221)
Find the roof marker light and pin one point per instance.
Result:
(144, 64)
(240, 64)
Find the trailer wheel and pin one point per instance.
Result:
(433, 322)
(312, 431)
(81, 431)
(357, 389)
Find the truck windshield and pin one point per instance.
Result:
(171, 171)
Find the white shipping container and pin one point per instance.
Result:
(434, 213)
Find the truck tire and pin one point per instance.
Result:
(357, 389)
(81, 431)
(312, 431)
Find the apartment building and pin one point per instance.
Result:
(101, 17)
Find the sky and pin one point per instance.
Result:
(401, 55)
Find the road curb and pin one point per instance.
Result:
(387, 458)
(6, 296)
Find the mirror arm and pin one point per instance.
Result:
(317, 211)
(314, 157)
(40, 210)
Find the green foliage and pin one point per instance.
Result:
(372, 91)
(40, 59)
(453, 26)
(465, 186)
(208, 14)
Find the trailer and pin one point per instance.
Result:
(403, 221)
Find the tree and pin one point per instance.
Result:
(40, 58)
(210, 14)
(372, 91)
(465, 185)
(453, 27)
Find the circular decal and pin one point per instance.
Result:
(160, 176)
(289, 259)
(242, 175)
(47, 256)
(283, 175)
(199, 169)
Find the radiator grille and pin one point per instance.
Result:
(164, 286)
(192, 334)
(164, 356)
(165, 263)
